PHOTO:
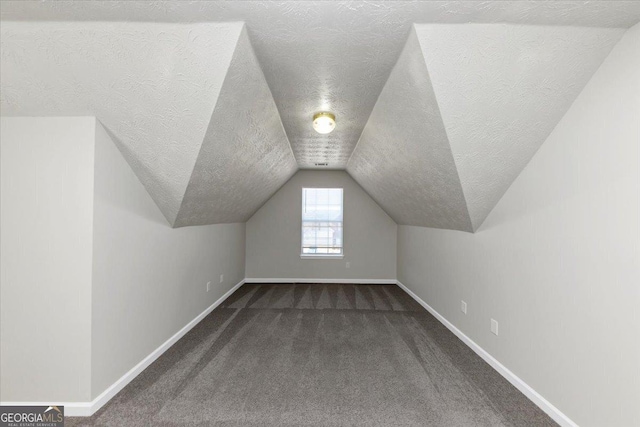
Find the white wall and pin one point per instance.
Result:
(557, 262)
(93, 277)
(45, 288)
(274, 232)
(149, 280)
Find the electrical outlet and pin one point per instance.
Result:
(463, 307)
(348, 264)
(221, 278)
(494, 326)
(208, 286)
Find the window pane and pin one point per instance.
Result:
(324, 204)
(322, 221)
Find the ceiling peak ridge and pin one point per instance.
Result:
(471, 227)
(245, 156)
(404, 160)
(213, 109)
(501, 89)
(411, 30)
(152, 85)
(266, 82)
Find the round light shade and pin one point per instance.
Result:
(324, 122)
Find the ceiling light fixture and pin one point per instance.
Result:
(324, 122)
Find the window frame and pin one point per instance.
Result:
(301, 228)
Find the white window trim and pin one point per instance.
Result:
(319, 256)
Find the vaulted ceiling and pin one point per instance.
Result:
(464, 110)
(211, 102)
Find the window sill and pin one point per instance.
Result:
(319, 256)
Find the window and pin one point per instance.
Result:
(322, 222)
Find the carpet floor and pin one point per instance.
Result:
(320, 355)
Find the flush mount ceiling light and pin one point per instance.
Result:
(324, 122)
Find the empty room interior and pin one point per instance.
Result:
(320, 213)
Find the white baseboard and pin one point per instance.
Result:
(518, 383)
(86, 409)
(347, 281)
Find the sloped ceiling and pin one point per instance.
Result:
(148, 84)
(501, 90)
(404, 160)
(154, 87)
(245, 157)
(330, 55)
(180, 87)
(497, 89)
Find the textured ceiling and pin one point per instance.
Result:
(330, 55)
(488, 93)
(185, 96)
(154, 87)
(245, 156)
(149, 84)
(404, 160)
(501, 90)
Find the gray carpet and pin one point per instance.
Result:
(321, 355)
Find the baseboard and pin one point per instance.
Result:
(347, 281)
(518, 383)
(86, 409)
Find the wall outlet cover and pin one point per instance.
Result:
(494, 326)
(221, 278)
(463, 307)
(208, 286)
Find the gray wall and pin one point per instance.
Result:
(557, 261)
(149, 280)
(274, 232)
(45, 287)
